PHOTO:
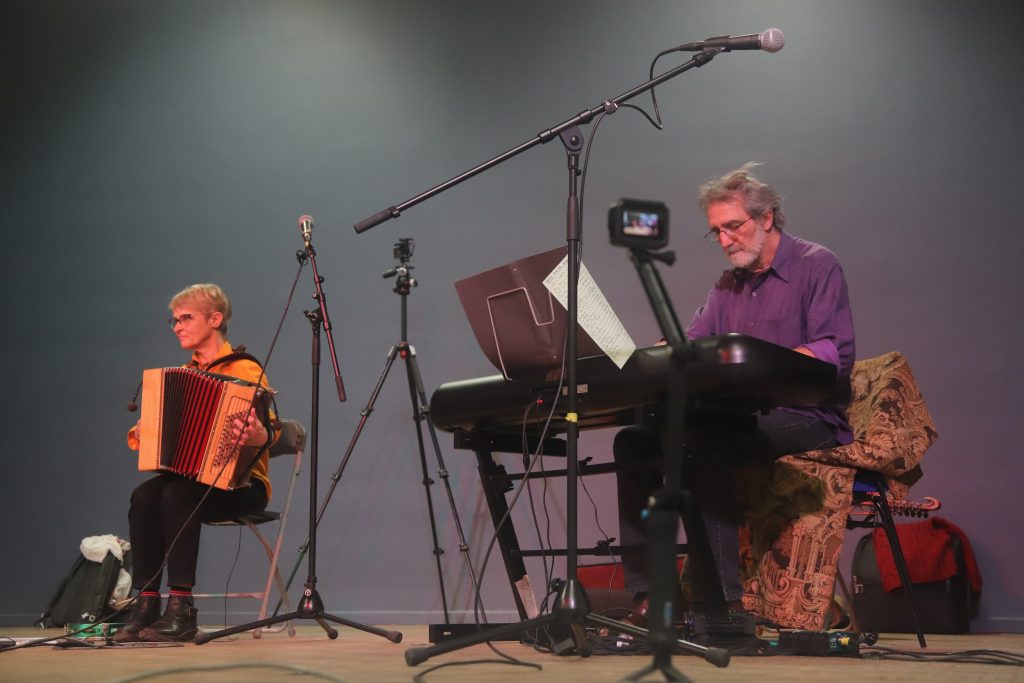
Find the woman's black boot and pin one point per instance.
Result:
(145, 611)
(177, 624)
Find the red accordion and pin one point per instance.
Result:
(186, 421)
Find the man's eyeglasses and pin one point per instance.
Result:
(184, 319)
(713, 235)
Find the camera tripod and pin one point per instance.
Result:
(404, 283)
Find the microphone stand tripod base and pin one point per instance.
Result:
(310, 607)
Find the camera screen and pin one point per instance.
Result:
(639, 224)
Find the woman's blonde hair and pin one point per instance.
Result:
(209, 297)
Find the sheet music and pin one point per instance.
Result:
(594, 314)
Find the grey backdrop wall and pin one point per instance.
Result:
(150, 145)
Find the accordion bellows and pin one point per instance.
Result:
(186, 418)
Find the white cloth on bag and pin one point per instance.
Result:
(95, 549)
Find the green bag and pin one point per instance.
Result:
(84, 594)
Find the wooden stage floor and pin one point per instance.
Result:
(357, 657)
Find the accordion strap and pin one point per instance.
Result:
(238, 353)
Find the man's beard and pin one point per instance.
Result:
(748, 256)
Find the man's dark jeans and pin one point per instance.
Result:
(717, 447)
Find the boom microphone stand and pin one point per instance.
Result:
(311, 606)
(572, 608)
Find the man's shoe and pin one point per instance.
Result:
(642, 604)
(638, 615)
(178, 624)
(838, 617)
(145, 611)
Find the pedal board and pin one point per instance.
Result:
(728, 624)
(734, 632)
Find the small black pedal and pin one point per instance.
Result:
(819, 643)
(440, 633)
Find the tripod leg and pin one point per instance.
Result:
(393, 636)
(418, 415)
(712, 655)
(331, 632)
(666, 669)
(420, 400)
(417, 655)
(205, 637)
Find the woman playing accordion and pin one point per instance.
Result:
(163, 517)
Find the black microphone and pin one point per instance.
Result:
(769, 40)
(306, 228)
(133, 404)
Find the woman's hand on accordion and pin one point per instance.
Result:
(249, 432)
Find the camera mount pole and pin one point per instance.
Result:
(665, 505)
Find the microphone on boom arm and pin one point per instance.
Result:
(769, 40)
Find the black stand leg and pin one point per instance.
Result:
(494, 482)
(889, 524)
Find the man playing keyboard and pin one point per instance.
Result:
(781, 289)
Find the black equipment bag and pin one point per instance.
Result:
(84, 594)
(945, 606)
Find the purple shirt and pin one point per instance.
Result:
(801, 300)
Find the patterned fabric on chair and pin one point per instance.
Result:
(797, 507)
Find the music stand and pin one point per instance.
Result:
(516, 320)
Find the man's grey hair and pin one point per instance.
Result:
(757, 197)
